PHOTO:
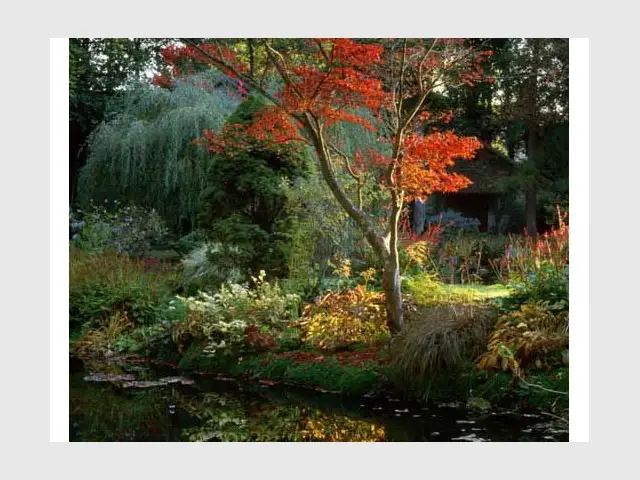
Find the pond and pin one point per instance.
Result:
(204, 408)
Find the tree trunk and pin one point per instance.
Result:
(531, 194)
(419, 216)
(531, 197)
(385, 248)
(252, 60)
(393, 295)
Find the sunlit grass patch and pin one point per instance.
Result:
(479, 292)
(427, 291)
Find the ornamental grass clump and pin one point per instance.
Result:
(101, 285)
(96, 342)
(199, 272)
(440, 339)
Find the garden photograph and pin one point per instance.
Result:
(318, 239)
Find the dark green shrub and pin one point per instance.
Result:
(357, 380)
(290, 339)
(190, 242)
(275, 369)
(244, 207)
(331, 375)
(325, 375)
(194, 359)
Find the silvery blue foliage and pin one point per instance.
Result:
(454, 222)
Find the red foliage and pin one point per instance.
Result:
(525, 253)
(259, 341)
(352, 358)
(331, 79)
(431, 234)
(152, 264)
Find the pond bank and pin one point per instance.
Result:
(366, 373)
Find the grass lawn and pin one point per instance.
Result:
(478, 292)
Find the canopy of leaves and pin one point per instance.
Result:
(360, 83)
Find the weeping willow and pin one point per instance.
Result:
(352, 137)
(144, 153)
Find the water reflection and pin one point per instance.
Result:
(211, 410)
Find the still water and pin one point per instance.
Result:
(208, 409)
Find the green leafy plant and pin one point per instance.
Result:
(547, 284)
(425, 290)
(290, 339)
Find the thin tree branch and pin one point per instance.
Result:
(358, 178)
(282, 68)
(541, 388)
(251, 81)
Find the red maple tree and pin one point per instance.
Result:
(327, 81)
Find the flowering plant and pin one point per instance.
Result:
(223, 319)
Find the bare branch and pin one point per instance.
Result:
(358, 178)
(373, 237)
(282, 67)
(322, 50)
(247, 78)
(403, 64)
(426, 55)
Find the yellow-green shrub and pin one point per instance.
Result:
(526, 338)
(343, 318)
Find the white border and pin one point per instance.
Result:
(579, 249)
(579, 201)
(59, 236)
